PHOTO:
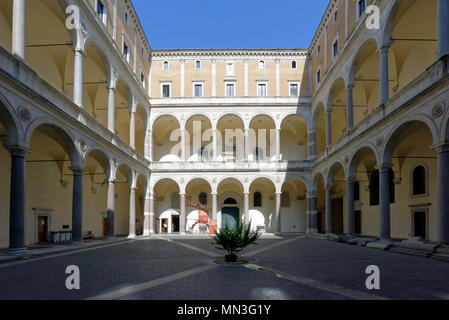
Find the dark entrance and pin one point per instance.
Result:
(229, 216)
(358, 222)
(337, 216)
(320, 222)
(420, 225)
(42, 229)
(175, 223)
(105, 227)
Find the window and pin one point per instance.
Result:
(198, 64)
(356, 191)
(419, 181)
(361, 6)
(335, 15)
(230, 201)
(230, 90)
(165, 65)
(262, 90)
(126, 51)
(293, 64)
(101, 11)
(204, 155)
(203, 198)
(175, 200)
(165, 91)
(257, 199)
(318, 76)
(335, 48)
(143, 52)
(142, 79)
(126, 18)
(198, 89)
(258, 154)
(285, 199)
(293, 89)
(318, 49)
(261, 64)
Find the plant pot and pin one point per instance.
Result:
(231, 258)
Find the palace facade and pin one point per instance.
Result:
(104, 136)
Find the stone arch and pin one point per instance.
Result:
(101, 157)
(10, 122)
(356, 157)
(333, 169)
(155, 182)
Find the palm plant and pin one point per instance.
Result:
(235, 239)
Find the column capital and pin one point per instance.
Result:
(79, 51)
(351, 180)
(385, 167)
(133, 189)
(246, 194)
(311, 194)
(328, 187)
(384, 48)
(181, 194)
(350, 86)
(18, 150)
(442, 147)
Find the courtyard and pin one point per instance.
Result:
(175, 267)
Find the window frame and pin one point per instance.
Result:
(196, 65)
(127, 55)
(259, 204)
(262, 63)
(360, 13)
(165, 62)
(166, 83)
(260, 83)
(104, 15)
(335, 43)
(198, 83)
(318, 76)
(294, 64)
(290, 84)
(229, 83)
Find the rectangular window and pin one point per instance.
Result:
(318, 76)
(166, 91)
(361, 7)
(126, 18)
(126, 51)
(229, 90)
(142, 79)
(198, 88)
(335, 48)
(261, 90)
(198, 64)
(101, 11)
(293, 89)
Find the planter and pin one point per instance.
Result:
(231, 258)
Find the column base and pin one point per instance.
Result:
(132, 236)
(17, 252)
(110, 238)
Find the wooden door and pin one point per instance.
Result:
(42, 229)
(105, 227)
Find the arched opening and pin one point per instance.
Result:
(49, 43)
(49, 184)
(412, 216)
(319, 118)
(231, 128)
(293, 206)
(321, 203)
(122, 200)
(229, 213)
(95, 81)
(123, 102)
(164, 149)
(200, 147)
(198, 206)
(365, 76)
(337, 181)
(366, 218)
(414, 38)
(167, 206)
(294, 139)
(262, 207)
(261, 139)
(338, 103)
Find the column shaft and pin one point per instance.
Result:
(150, 145)
(443, 28)
(214, 206)
(214, 144)
(350, 206)
(183, 144)
(311, 213)
(111, 110)
(246, 207)
(111, 209)
(78, 79)
(443, 198)
(328, 128)
(183, 213)
(152, 213)
(132, 130)
(146, 216)
(278, 144)
(132, 213)
(77, 206)
(350, 111)
(19, 29)
(384, 84)
(385, 203)
(17, 204)
(246, 144)
(278, 213)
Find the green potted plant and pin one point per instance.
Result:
(235, 239)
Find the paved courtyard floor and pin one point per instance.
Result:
(183, 267)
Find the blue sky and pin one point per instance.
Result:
(173, 24)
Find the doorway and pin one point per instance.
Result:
(164, 226)
(105, 227)
(42, 229)
(229, 216)
(175, 223)
(358, 222)
(420, 224)
(337, 216)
